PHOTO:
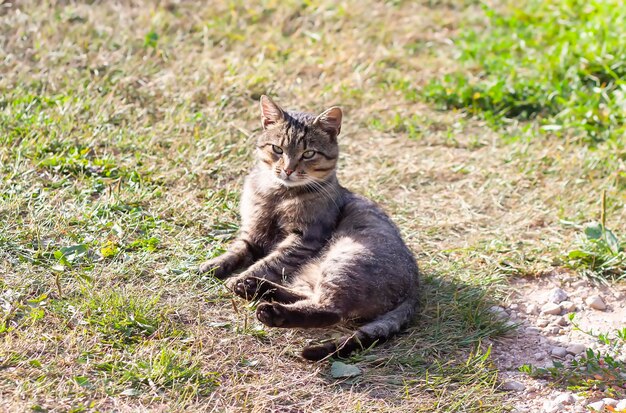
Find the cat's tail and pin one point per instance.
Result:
(374, 332)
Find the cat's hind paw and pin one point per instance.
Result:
(246, 287)
(271, 314)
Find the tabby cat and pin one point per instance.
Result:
(316, 254)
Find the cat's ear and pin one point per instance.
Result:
(330, 121)
(270, 112)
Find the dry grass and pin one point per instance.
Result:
(125, 127)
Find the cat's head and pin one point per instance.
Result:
(298, 148)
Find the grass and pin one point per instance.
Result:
(125, 131)
(562, 62)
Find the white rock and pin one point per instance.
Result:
(551, 407)
(558, 352)
(621, 405)
(539, 356)
(513, 386)
(597, 406)
(557, 295)
(568, 306)
(532, 309)
(532, 330)
(554, 330)
(542, 323)
(551, 308)
(596, 302)
(565, 398)
(514, 306)
(576, 348)
(609, 402)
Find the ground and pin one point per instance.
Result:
(126, 129)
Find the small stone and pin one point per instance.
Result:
(610, 402)
(554, 330)
(532, 309)
(621, 405)
(551, 308)
(511, 324)
(539, 356)
(563, 321)
(558, 352)
(542, 323)
(513, 386)
(596, 302)
(557, 295)
(514, 306)
(568, 306)
(532, 330)
(565, 398)
(498, 311)
(576, 348)
(597, 406)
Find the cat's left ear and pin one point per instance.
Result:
(330, 121)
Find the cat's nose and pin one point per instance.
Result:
(288, 171)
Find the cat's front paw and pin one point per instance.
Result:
(271, 314)
(246, 287)
(214, 267)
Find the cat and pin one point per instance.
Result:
(315, 253)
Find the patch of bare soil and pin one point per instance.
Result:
(546, 336)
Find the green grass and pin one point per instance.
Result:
(126, 130)
(561, 62)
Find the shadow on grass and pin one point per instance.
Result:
(440, 354)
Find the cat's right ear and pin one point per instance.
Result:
(271, 113)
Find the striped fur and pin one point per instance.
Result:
(316, 253)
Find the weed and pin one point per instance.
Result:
(600, 254)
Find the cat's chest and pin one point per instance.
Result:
(268, 221)
(291, 214)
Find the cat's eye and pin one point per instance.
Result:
(277, 149)
(308, 154)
